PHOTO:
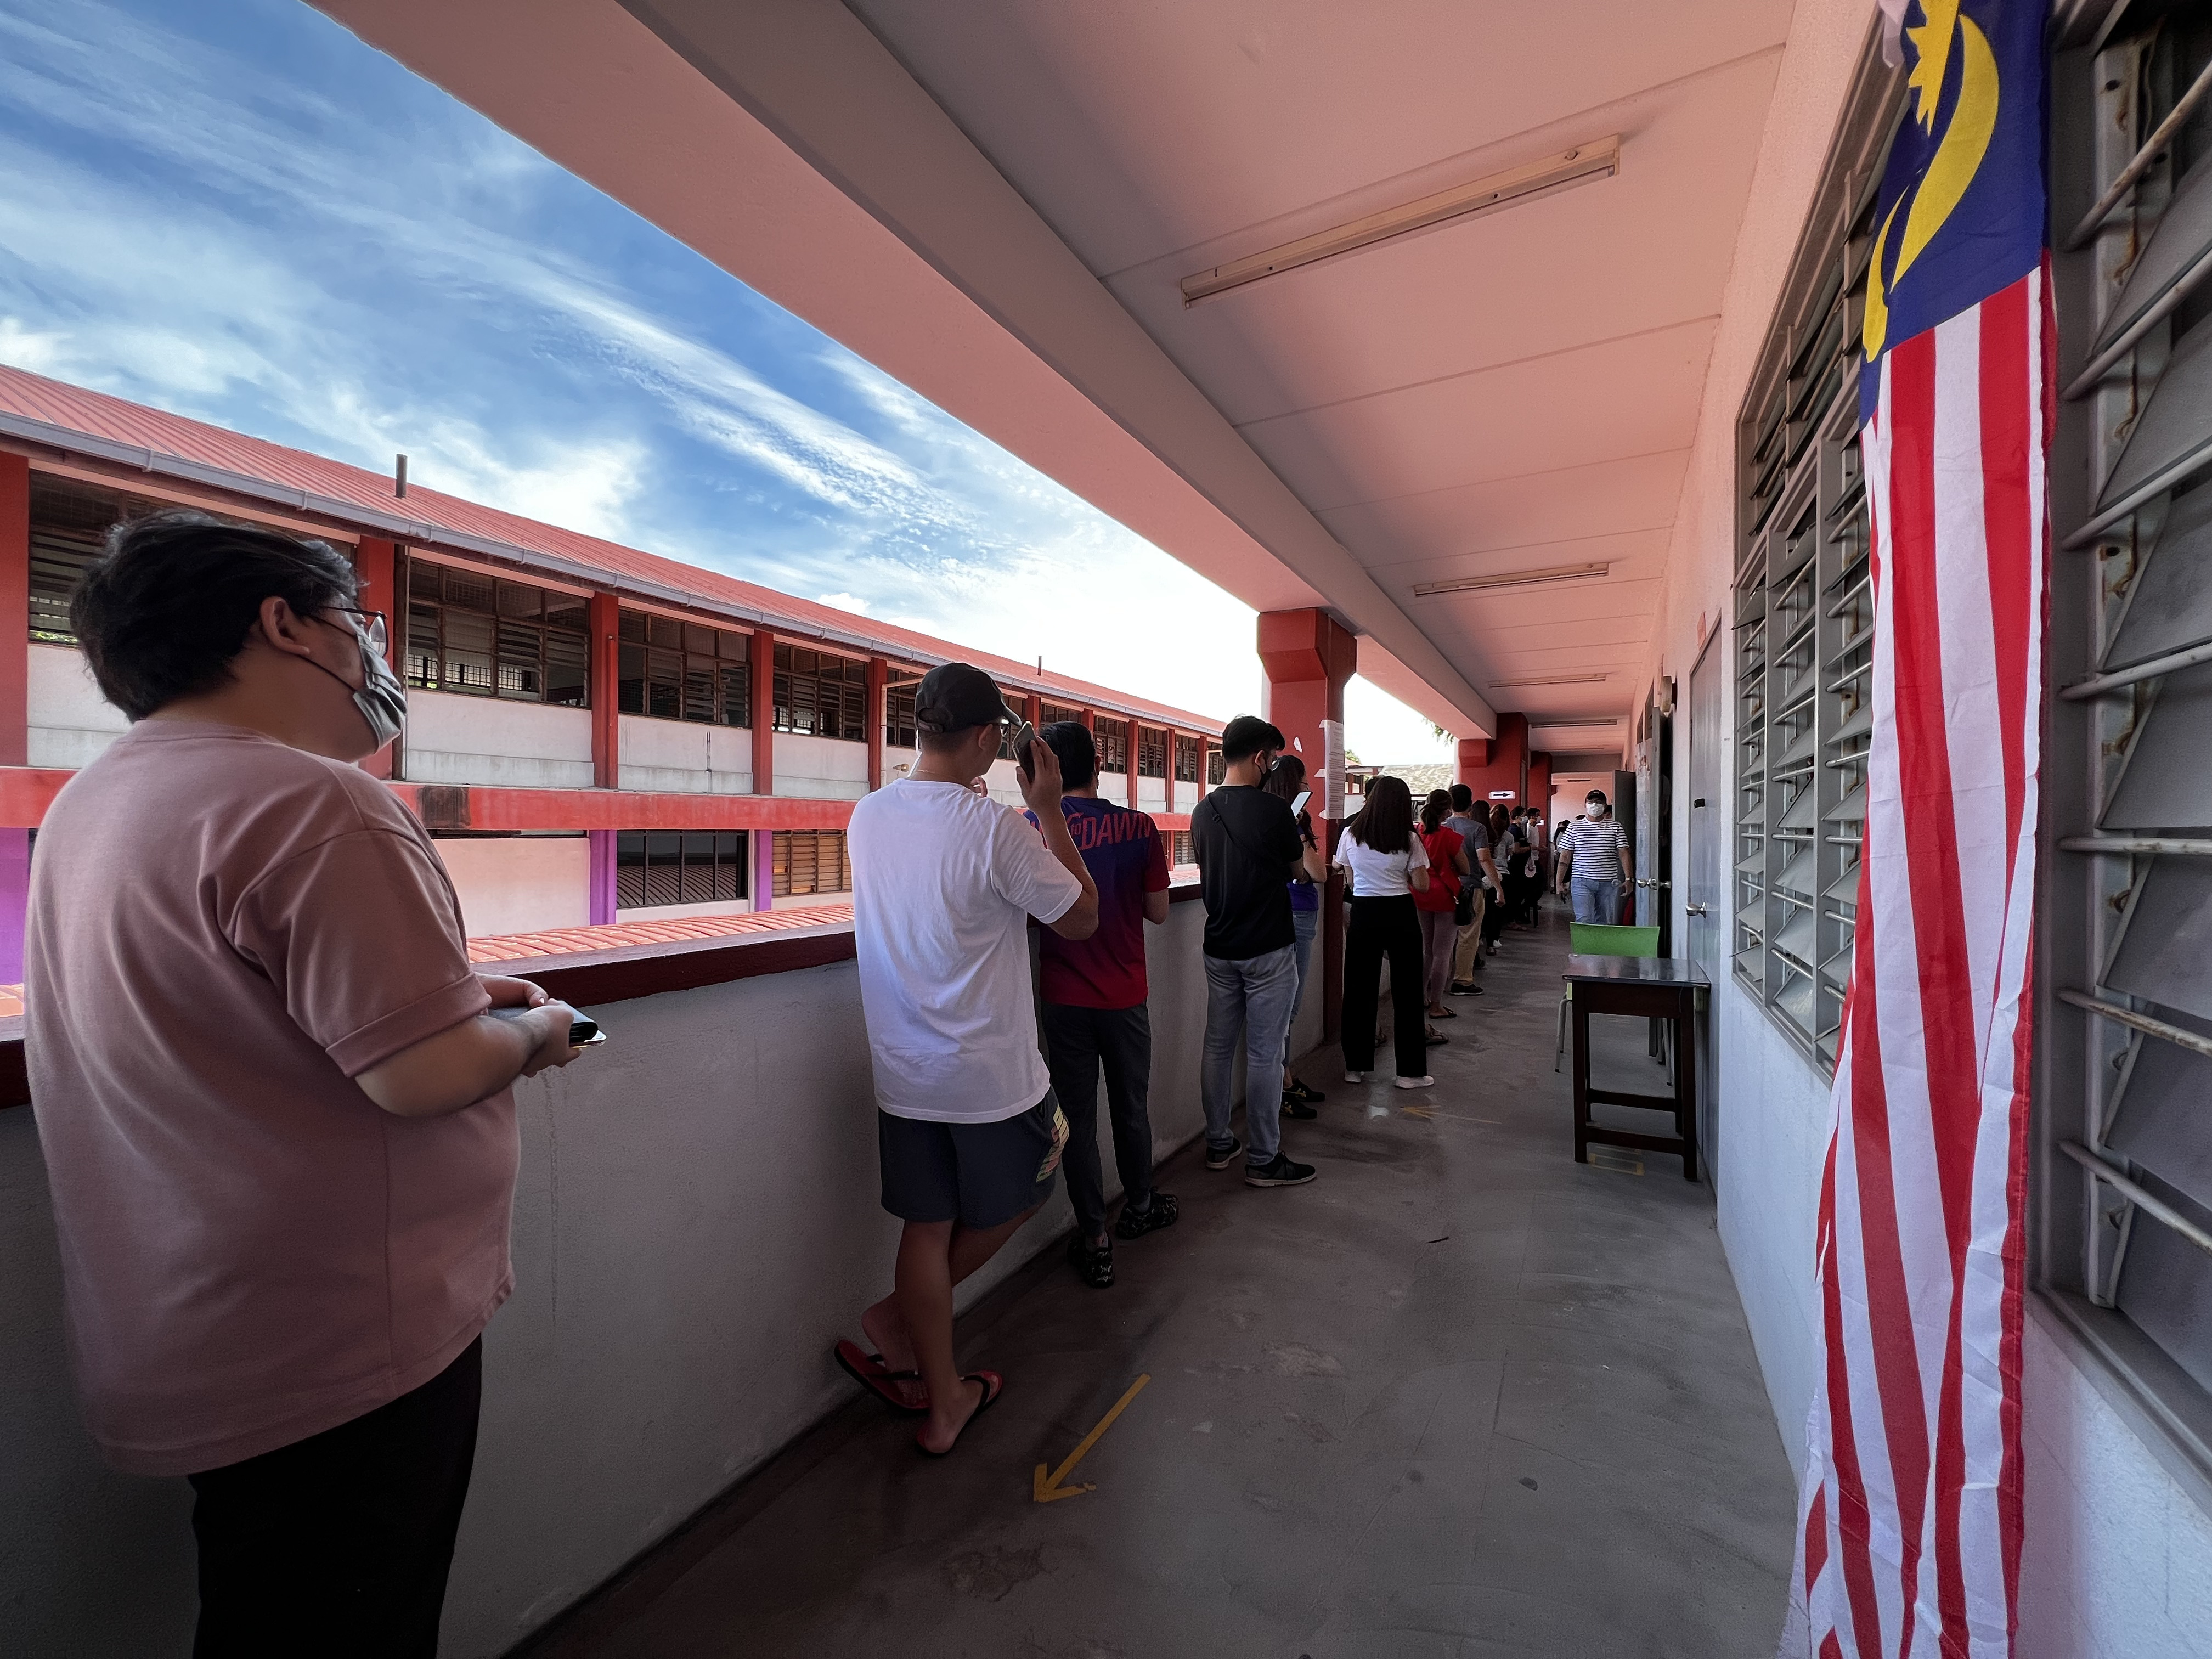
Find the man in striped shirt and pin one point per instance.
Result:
(1593, 855)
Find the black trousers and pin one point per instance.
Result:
(1383, 928)
(338, 1545)
(1080, 1042)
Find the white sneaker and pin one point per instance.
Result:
(1355, 1077)
(1415, 1083)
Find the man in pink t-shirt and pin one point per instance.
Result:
(274, 1111)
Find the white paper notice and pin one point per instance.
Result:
(1332, 741)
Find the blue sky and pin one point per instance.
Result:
(234, 210)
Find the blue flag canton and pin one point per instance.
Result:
(1961, 212)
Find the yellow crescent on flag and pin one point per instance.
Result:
(1957, 158)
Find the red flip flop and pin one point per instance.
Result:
(869, 1370)
(993, 1386)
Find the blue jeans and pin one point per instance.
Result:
(1248, 1001)
(1596, 901)
(1308, 923)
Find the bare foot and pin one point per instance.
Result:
(945, 1423)
(885, 1329)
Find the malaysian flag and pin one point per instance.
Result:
(1911, 1516)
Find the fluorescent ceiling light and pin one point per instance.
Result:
(1599, 159)
(1557, 573)
(1549, 679)
(1561, 726)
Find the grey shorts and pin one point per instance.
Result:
(980, 1175)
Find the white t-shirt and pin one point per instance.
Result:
(943, 883)
(1381, 875)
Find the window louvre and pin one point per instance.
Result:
(70, 522)
(1186, 758)
(674, 669)
(818, 695)
(899, 729)
(470, 632)
(2136, 762)
(1152, 752)
(1216, 768)
(1053, 714)
(1112, 738)
(811, 861)
(689, 866)
(1802, 625)
(1183, 855)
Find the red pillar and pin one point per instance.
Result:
(879, 677)
(1540, 783)
(1132, 734)
(14, 699)
(1205, 770)
(1308, 657)
(1490, 766)
(605, 694)
(376, 564)
(1168, 738)
(763, 840)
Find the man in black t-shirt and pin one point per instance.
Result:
(1249, 846)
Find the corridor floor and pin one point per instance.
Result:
(1460, 1397)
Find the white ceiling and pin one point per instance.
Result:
(1504, 392)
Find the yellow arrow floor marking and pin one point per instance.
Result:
(1047, 1488)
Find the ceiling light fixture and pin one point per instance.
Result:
(1557, 573)
(1536, 723)
(1549, 679)
(1599, 159)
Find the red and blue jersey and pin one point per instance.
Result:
(1122, 851)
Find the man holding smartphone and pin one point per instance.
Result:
(276, 1118)
(968, 1133)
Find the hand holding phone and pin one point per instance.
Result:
(1299, 804)
(1016, 747)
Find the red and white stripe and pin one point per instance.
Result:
(1911, 1503)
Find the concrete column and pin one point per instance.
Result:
(1490, 766)
(1539, 791)
(1132, 734)
(380, 567)
(878, 679)
(763, 842)
(1308, 658)
(1204, 771)
(605, 683)
(14, 699)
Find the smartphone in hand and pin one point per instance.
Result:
(1299, 804)
(1016, 747)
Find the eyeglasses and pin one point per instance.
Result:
(372, 623)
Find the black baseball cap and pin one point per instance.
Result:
(1248, 734)
(954, 696)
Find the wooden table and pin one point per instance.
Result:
(1658, 987)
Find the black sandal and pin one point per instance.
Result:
(1094, 1266)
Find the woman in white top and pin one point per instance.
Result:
(1388, 865)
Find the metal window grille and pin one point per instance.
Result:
(683, 670)
(689, 866)
(470, 632)
(1152, 752)
(1216, 768)
(811, 861)
(899, 729)
(1054, 713)
(2125, 1036)
(818, 695)
(1183, 854)
(1112, 738)
(1804, 617)
(1186, 759)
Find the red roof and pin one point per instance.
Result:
(96, 415)
(570, 941)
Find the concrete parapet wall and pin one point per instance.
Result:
(697, 1221)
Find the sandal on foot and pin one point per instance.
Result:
(1135, 1223)
(869, 1370)
(993, 1386)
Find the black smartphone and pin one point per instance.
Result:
(1016, 745)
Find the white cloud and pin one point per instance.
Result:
(844, 602)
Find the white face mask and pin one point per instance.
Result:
(1595, 809)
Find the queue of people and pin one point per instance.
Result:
(284, 1201)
